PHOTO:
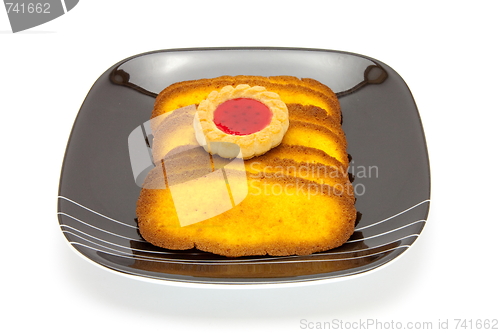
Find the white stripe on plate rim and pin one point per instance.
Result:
(236, 283)
(140, 240)
(94, 227)
(219, 263)
(135, 227)
(228, 261)
(93, 211)
(195, 253)
(386, 232)
(393, 216)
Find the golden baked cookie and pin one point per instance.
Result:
(280, 216)
(293, 199)
(250, 117)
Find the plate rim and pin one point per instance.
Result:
(246, 284)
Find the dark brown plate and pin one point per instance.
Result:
(98, 190)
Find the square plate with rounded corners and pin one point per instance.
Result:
(98, 190)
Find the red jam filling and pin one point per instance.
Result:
(242, 116)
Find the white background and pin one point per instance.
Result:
(447, 52)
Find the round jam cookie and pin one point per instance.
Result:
(251, 118)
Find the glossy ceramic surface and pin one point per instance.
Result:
(98, 188)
